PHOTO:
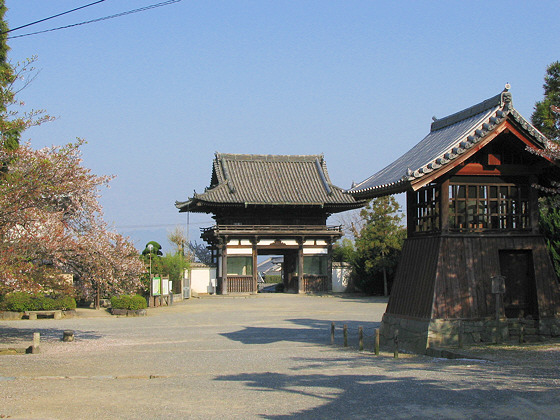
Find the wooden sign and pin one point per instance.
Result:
(498, 285)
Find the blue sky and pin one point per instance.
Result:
(156, 93)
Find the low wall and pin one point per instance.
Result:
(202, 279)
(340, 277)
(417, 335)
(8, 315)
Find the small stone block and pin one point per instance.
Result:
(68, 335)
(32, 315)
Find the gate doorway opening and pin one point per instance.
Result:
(270, 272)
(279, 272)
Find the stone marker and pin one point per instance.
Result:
(34, 349)
(68, 335)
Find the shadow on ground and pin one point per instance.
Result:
(370, 395)
(311, 331)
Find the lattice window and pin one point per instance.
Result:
(426, 209)
(316, 265)
(488, 207)
(240, 266)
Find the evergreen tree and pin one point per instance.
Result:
(13, 123)
(549, 212)
(10, 130)
(546, 116)
(378, 246)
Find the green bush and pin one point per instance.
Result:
(17, 302)
(129, 302)
(66, 303)
(118, 302)
(273, 278)
(21, 302)
(44, 303)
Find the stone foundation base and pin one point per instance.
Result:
(417, 335)
(129, 312)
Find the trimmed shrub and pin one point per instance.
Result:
(129, 302)
(65, 303)
(21, 302)
(44, 303)
(17, 302)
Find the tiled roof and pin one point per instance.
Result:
(448, 139)
(291, 180)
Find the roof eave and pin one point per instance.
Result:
(380, 191)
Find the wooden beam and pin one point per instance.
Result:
(255, 272)
(503, 170)
(224, 270)
(329, 267)
(410, 212)
(300, 268)
(444, 206)
(534, 205)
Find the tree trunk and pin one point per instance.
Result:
(97, 292)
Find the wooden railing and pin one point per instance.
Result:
(272, 228)
(315, 283)
(241, 284)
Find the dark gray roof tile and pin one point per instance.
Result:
(271, 180)
(449, 138)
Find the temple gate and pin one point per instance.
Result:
(271, 205)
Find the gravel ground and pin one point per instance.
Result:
(267, 356)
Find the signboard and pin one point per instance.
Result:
(165, 287)
(498, 285)
(161, 286)
(156, 286)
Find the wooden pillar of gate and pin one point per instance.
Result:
(224, 268)
(255, 272)
(301, 284)
(329, 266)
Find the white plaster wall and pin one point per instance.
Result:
(340, 277)
(240, 251)
(315, 251)
(203, 279)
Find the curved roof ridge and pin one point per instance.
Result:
(429, 154)
(448, 139)
(267, 157)
(291, 180)
(452, 119)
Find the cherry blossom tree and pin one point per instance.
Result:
(51, 222)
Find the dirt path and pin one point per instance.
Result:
(261, 357)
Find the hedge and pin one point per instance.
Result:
(21, 302)
(130, 302)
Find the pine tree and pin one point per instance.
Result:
(546, 116)
(378, 245)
